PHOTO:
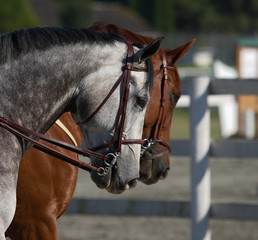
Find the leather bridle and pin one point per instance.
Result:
(155, 138)
(110, 158)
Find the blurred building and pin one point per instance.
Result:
(120, 15)
(48, 12)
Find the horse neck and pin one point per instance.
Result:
(38, 87)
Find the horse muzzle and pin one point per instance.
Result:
(117, 186)
(154, 165)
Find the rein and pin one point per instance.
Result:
(21, 131)
(110, 158)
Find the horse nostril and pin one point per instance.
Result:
(164, 174)
(131, 184)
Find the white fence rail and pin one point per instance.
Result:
(199, 145)
(180, 209)
(199, 148)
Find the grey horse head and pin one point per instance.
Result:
(100, 129)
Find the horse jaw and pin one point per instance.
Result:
(122, 179)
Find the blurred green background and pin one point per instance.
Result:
(180, 128)
(217, 25)
(161, 15)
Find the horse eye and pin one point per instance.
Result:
(141, 101)
(174, 97)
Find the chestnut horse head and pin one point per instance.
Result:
(155, 163)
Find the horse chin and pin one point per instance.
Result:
(117, 186)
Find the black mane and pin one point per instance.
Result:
(23, 41)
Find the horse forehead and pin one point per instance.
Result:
(138, 79)
(156, 61)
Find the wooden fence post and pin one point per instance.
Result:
(199, 152)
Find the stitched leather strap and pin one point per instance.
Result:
(161, 116)
(17, 130)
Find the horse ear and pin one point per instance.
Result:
(174, 55)
(150, 50)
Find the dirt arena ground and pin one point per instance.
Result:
(233, 180)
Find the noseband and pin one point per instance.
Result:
(110, 158)
(161, 116)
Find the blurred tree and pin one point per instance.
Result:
(164, 16)
(217, 15)
(145, 9)
(158, 13)
(198, 15)
(134, 4)
(15, 14)
(75, 13)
